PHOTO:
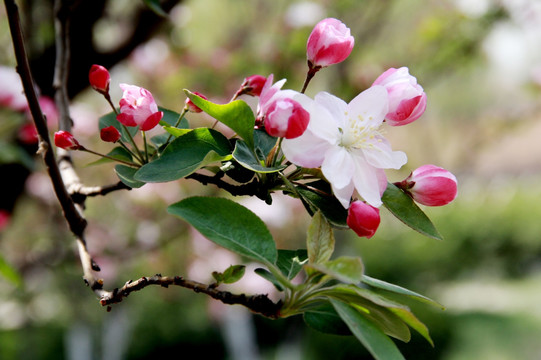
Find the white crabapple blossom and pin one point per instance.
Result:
(347, 142)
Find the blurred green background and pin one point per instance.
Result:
(480, 65)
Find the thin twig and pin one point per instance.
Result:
(65, 180)
(252, 188)
(76, 222)
(257, 303)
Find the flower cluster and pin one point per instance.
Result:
(344, 140)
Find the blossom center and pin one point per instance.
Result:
(358, 133)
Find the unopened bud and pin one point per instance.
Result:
(65, 140)
(99, 79)
(363, 218)
(191, 106)
(110, 134)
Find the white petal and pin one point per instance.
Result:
(334, 105)
(322, 124)
(379, 154)
(307, 150)
(338, 167)
(367, 182)
(372, 104)
(344, 194)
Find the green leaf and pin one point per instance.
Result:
(246, 157)
(159, 140)
(231, 275)
(325, 319)
(345, 268)
(117, 153)
(155, 6)
(380, 284)
(376, 308)
(110, 120)
(290, 262)
(409, 318)
(319, 240)
(11, 153)
(405, 209)
(230, 225)
(263, 143)
(267, 275)
(126, 175)
(170, 118)
(185, 155)
(237, 115)
(176, 132)
(327, 204)
(375, 341)
(9, 273)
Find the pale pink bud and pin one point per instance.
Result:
(329, 43)
(431, 185)
(191, 106)
(407, 100)
(253, 85)
(286, 118)
(138, 108)
(363, 218)
(99, 79)
(65, 140)
(110, 134)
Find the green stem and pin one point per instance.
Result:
(275, 151)
(121, 143)
(279, 276)
(184, 111)
(146, 146)
(132, 141)
(129, 163)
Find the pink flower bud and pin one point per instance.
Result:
(138, 108)
(110, 134)
(363, 219)
(286, 118)
(431, 185)
(28, 134)
(99, 79)
(329, 43)
(65, 140)
(253, 85)
(4, 219)
(191, 106)
(407, 100)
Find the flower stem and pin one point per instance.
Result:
(132, 141)
(129, 163)
(146, 146)
(184, 110)
(108, 98)
(312, 70)
(121, 143)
